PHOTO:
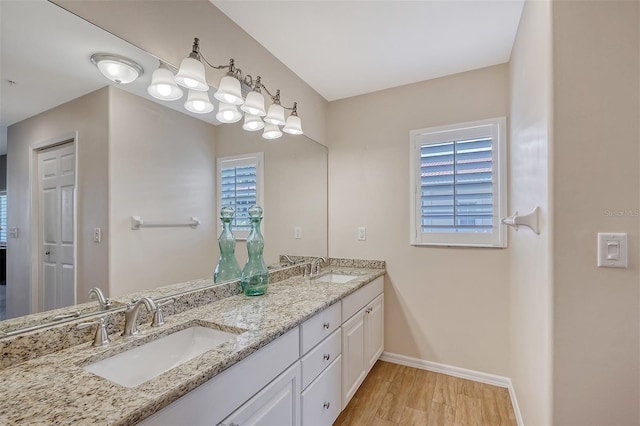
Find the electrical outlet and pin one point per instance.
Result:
(297, 232)
(362, 233)
(97, 235)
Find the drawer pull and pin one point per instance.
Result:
(326, 357)
(369, 310)
(326, 325)
(326, 405)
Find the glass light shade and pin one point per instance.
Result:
(271, 131)
(228, 113)
(252, 123)
(191, 75)
(163, 86)
(275, 115)
(254, 104)
(229, 91)
(293, 125)
(117, 68)
(198, 102)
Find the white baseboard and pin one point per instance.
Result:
(463, 373)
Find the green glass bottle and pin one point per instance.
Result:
(227, 267)
(255, 276)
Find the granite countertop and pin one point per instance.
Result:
(55, 389)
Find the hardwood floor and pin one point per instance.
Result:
(393, 394)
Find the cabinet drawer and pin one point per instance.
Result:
(358, 300)
(321, 357)
(321, 402)
(318, 327)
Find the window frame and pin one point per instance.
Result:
(256, 158)
(496, 128)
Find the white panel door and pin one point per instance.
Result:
(56, 212)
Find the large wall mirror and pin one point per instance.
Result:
(84, 156)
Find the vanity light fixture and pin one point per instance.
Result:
(236, 90)
(252, 123)
(228, 113)
(163, 85)
(271, 131)
(198, 102)
(293, 126)
(117, 68)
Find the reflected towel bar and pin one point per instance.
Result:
(137, 223)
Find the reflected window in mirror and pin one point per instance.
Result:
(241, 185)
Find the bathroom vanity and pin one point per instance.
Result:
(296, 356)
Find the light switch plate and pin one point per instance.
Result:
(362, 233)
(612, 250)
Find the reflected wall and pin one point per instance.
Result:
(295, 174)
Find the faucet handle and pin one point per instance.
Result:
(158, 315)
(102, 337)
(306, 271)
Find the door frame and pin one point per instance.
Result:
(34, 210)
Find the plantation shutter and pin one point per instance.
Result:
(456, 186)
(239, 189)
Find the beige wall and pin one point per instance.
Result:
(87, 116)
(295, 191)
(161, 168)
(596, 189)
(166, 29)
(448, 305)
(531, 284)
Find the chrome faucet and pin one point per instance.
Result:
(289, 261)
(131, 315)
(104, 302)
(316, 267)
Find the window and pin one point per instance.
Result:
(240, 185)
(458, 184)
(3, 218)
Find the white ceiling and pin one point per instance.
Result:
(351, 47)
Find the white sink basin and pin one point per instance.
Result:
(147, 361)
(336, 278)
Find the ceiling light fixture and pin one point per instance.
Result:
(236, 89)
(117, 68)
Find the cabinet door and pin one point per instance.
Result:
(277, 404)
(374, 331)
(353, 357)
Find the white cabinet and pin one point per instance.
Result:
(320, 347)
(321, 401)
(362, 336)
(320, 357)
(277, 404)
